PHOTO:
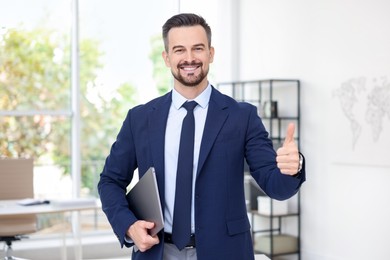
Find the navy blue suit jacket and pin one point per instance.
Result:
(233, 132)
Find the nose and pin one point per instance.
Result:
(190, 57)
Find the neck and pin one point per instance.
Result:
(191, 92)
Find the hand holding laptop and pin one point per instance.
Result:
(144, 201)
(139, 233)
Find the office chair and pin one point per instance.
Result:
(16, 182)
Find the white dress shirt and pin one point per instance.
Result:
(171, 152)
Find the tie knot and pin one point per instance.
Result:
(190, 105)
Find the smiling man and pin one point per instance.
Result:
(188, 53)
(197, 139)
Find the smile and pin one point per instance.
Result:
(189, 68)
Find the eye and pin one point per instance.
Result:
(178, 51)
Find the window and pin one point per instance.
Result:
(115, 68)
(119, 65)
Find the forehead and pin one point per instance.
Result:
(187, 36)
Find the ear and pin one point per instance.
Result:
(166, 59)
(212, 52)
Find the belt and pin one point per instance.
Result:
(191, 243)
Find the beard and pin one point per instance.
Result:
(190, 80)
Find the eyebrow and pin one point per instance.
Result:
(199, 45)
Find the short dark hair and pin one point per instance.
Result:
(184, 19)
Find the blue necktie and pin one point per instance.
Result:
(181, 229)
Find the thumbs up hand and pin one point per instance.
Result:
(287, 156)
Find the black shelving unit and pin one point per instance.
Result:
(278, 102)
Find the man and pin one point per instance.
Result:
(226, 133)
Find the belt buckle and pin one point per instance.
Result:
(191, 243)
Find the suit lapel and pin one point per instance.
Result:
(157, 121)
(216, 117)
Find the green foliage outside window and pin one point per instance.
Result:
(161, 73)
(35, 74)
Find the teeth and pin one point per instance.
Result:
(189, 68)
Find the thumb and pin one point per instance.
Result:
(290, 134)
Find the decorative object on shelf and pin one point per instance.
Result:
(282, 244)
(278, 207)
(270, 109)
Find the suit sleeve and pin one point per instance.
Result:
(261, 159)
(117, 173)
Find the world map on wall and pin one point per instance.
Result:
(365, 103)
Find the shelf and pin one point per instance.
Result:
(290, 214)
(282, 244)
(277, 102)
(280, 118)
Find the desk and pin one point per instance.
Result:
(12, 208)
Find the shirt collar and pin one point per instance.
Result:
(202, 99)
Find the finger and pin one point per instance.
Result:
(148, 225)
(290, 134)
(282, 151)
(139, 228)
(288, 168)
(292, 157)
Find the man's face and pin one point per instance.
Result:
(188, 55)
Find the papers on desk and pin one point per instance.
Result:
(31, 202)
(78, 202)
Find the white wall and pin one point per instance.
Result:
(222, 16)
(340, 50)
